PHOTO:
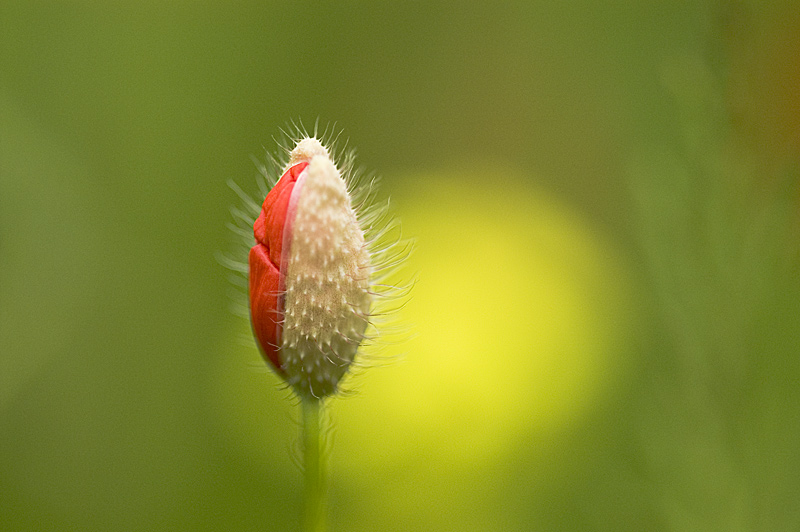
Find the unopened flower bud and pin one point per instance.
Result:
(310, 271)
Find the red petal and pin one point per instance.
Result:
(266, 284)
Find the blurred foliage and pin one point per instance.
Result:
(719, 232)
(605, 200)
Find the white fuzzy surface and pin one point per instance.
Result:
(306, 150)
(327, 279)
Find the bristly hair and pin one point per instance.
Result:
(387, 247)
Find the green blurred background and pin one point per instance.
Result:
(604, 331)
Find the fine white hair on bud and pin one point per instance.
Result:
(327, 299)
(320, 250)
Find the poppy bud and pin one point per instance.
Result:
(309, 274)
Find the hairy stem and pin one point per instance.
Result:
(314, 466)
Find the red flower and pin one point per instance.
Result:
(266, 284)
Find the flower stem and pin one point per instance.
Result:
(314, 466)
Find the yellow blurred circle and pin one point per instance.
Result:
(519, 317)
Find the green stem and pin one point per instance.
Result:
(314, 466)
